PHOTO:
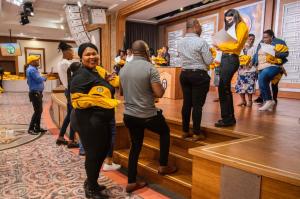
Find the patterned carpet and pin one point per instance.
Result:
(41, 169)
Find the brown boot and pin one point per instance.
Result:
(165, 170)
(135, 186)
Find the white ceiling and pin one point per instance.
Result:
(167, 6)
(48, 19)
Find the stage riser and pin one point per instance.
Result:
(151, 176)
(181, 182)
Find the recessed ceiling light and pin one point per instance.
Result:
(62, 27)
(113, 6)
(181, 9)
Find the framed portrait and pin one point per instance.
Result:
(40, 52)
(254, 14)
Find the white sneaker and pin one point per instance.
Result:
(268, 106)
(111, 167)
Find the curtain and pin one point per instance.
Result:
(141, 31)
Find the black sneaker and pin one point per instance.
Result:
(33, 132)
(41, 130)
(61, 141)
(221, 123)
(258, 100)
(94, 193)
(73, 144)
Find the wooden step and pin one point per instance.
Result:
(179, 182)
(175, 149)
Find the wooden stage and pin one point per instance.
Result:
(262, 144)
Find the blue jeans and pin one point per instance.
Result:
(113, 134)
(67, 120)
(264, 78)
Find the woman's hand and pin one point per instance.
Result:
(110, 77)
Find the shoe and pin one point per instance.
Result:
(165, 170)
(186, 135)
(131, 187)
(61, 141)
(100, 187)
(258, 100)
(242, 104)
(73, 144)
(198, 137)
(94, 193)
(41, 130)
(111, 167)
(33, 132)
(268, 106)
(221, 123)
(81, 153)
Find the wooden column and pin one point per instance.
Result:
(105, 40)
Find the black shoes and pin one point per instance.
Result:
(36, 131)
(61, 141)
(258, 100)
(222, 123)
(73, 144)
(33, 132)
(94, 193)
(41, 130)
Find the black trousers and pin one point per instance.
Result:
(136, 126)
(36, 99)
(93, 126)
(229, 65)
(195, 86)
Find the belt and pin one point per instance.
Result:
(194, 70)
(230, 54)
(33, 91)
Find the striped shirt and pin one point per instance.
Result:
(194, 52)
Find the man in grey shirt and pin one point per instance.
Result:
(195, 59)
(140, 84)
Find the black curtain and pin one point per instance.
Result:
(137, 31)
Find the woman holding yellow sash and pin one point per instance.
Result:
(92, 99)
(230, 64)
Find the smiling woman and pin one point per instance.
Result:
(92, 90)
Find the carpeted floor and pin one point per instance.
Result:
(41, 169)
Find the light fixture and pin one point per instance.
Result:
(28, 8)
(79, 4)
(181, 9)
(113, 6)
(24, 19)
(15, 2)
(62, 27)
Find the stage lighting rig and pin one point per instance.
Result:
(24, 19)
(28, 9)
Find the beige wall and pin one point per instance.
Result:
(51, 53)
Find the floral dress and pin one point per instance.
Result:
(246, 76)
(246, 81)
